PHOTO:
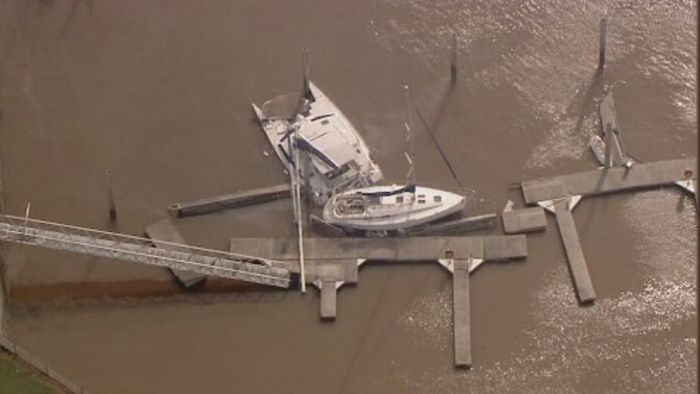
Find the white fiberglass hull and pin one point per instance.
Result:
(340, 156)
(386, 208)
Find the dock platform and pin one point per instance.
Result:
(228, 201)
(164, 230)
(607, 180)
(524, 220)
(574, 252)
(344, 250)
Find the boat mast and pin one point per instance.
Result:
(296, 195)
(410, 156)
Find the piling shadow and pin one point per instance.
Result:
(436, 121)
(432, 123)
(585, 102)
(582, 105)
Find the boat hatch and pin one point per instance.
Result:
(351, 205)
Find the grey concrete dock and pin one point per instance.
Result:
(574, 253)
(461, 314)
(607, 180)
(561, 192)
(330, 262)
(524, 220)
(164, 233)
(228, 201)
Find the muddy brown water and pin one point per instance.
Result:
(160, 93)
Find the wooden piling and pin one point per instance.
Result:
(603, 42)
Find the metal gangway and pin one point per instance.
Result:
(58, 236)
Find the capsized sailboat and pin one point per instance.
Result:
(393, 207)
(339, 158)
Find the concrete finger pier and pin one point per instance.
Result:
(164, 230)
(228, 201)
(332, 262)
(574, 253)
(461, 315)
(328, 299)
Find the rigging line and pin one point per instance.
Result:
(442, 153)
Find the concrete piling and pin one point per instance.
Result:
(603, 42)
(306, 70)
(453, 59)
(110, 196)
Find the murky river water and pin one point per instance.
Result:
(160, 93)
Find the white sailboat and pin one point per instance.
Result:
(393, 207)
(339, 157)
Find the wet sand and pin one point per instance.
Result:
(160, 93)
